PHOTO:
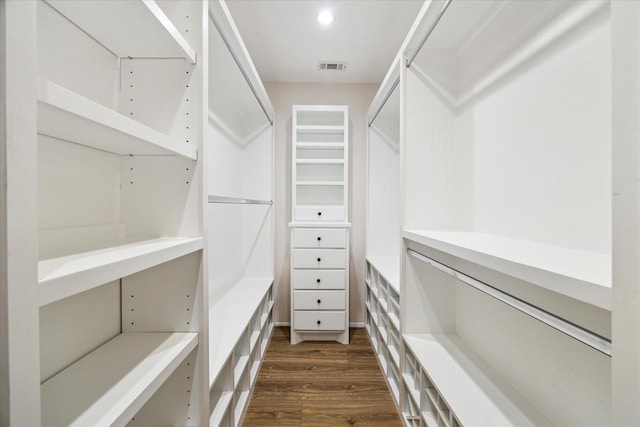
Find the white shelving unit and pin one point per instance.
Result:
(319, 226)
(236, 356)
(240, 240)
(120, 213)
(489, 198)
(383, 231)
(382, 300)
(132, 230)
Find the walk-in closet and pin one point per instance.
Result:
(225, 213)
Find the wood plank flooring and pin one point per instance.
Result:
(321, 384)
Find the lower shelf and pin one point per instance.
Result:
(112, 383)
(475, 393)
(221, 408)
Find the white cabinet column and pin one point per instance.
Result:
(625, 17)
(19, 354)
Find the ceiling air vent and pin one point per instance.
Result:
(332, 65)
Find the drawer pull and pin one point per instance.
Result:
(319, 238)
(319, 259)
(319, 213)
(319, 322)
(317, 280)
(319, 301)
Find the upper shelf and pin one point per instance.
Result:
(320, 161)
(63, 277)
(319, 129)
(582, 275)
(66, 115)
(321, 145)
(135, 28)
(467, 52)
(109, 386)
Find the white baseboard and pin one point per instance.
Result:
(287, 324)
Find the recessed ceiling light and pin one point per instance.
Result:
(325, 17)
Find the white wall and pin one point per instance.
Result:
(357, 97)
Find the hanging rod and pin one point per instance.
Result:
(384, 101)
(593, 340)
(238, 201)
(429, 31)
(237, 61)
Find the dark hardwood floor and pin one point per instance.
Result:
(321, 384)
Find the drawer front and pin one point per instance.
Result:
(319, 214)
(319, 300)
(319, 258)
(319, 279)
(319, 238)
(319, 320)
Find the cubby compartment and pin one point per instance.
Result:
(241, 397)
(221, 395)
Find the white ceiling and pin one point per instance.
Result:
(286, 41)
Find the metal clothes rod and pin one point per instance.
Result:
(237, 61)
(384, 101)
(429, 31)
(238, 201)
(595, 341)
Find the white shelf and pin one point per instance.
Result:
(62, 277)
(229, 318)
(582, 275)
(221, 408)
(336, 183)
(473, 390)
(66, 115)
(389, 269)
(395, 322)
(319, 129)
(110, 385)
(238, 370)
(320, 145)
(132, 19)
(320, 161)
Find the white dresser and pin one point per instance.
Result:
(319, 227)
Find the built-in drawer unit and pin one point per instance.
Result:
(319, 300)
(319, 238)
(319, 214)
(319, 258)
(319, 279)
(319, 320)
